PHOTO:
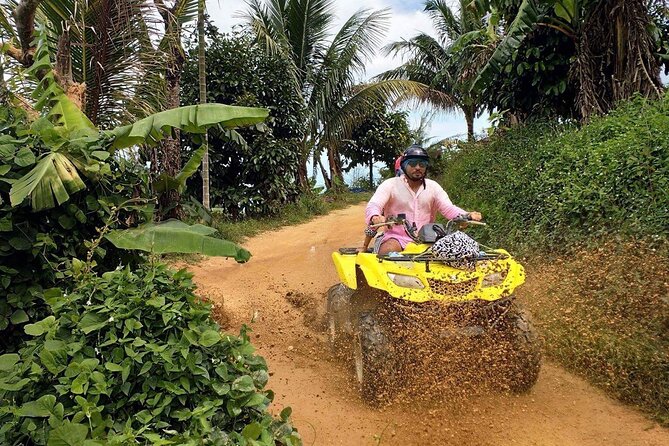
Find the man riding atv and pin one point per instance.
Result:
(427, 285)
(413, 195)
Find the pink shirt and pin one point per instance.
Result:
(394, 196)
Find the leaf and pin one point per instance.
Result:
(24, 157)
(525, 21)
(66, 113)
(252, 431)
(43, 407)
(53, 176)
(209, 338)
(192, 118)
(565, 9)
(174, 236)
(41, 327)
(14, 387)
(113, 367)
(91, 322)
(243, 384)
(68, 434)
(19, 317)
(165, 182)
(6, 223)
(8, 361)
(20, 243)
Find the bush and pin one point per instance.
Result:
(590, 207)
(555, 187)
(134, 357)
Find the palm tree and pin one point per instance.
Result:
(202, 80)
(100, 48)
(615, 52)
(448, 63)
(324, 68)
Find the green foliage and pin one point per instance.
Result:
(590, 207)
(552, 187)
(133, 356)
(37, 249)
(256, 178)
(380, 137)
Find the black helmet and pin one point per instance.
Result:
(415, 151)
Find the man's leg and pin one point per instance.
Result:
(390, 245)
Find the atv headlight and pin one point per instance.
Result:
(406, 281)
(494, 279)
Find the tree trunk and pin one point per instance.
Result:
(469, 111)
(371, 169)
(326, 179)
(202, 77)
(302, 173)
(169, 149)
(336, 175)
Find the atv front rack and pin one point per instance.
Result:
(426, 256)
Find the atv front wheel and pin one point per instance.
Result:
(524, 361)
(373, 356)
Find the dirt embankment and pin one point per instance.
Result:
(280, 294)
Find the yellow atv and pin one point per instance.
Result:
(433, 294)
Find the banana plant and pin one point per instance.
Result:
(174, 236)
(71, 137)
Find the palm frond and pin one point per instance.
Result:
(446, 23)
(307, 27)
(351, 48)
(392, 92)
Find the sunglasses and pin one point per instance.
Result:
(414, 163)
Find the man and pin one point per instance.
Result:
(411, 194)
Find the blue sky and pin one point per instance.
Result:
(407, 19)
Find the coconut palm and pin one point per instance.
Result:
(448, 63)
(324, 68)
(101, 49)
(615, 52)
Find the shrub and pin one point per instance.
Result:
(134, 357)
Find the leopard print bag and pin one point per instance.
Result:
(459, 248)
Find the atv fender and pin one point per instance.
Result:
(345, 265)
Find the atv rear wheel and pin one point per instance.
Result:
(524, 361)
(338, 318)
(374, 359)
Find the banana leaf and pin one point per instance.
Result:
(53, 176)
(191, 118)
(166, 182)
(526, 20)
(174, 236)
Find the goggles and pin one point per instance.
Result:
(417, 162)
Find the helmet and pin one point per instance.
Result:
(415, 151)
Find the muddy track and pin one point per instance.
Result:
(280, 294)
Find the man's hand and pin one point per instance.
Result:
(378, 219)
(476, 216)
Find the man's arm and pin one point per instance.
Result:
(377, 203)
(445, 205)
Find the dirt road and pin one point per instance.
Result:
(282, 290)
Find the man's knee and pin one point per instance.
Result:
(390, 245)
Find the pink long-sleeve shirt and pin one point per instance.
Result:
(394, 196)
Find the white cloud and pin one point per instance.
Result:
(407, 20)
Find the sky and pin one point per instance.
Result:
(406, 20)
